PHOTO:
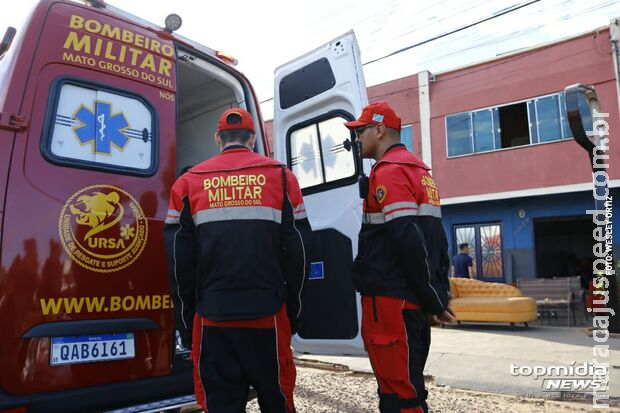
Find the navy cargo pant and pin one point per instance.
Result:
(229, 356)
(397, 338)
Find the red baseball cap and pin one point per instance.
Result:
(246, 120)
(376, 113)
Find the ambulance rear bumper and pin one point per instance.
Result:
(104, 397)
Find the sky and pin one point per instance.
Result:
(264, 35)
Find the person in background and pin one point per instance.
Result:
(463, 264)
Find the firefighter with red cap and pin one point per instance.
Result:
(401, 269)
(235, 234)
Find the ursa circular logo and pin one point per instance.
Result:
(103, 228)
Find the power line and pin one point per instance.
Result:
(501, 39)
(504, 60)
(475, 40)
(431, 22)
(510, 10)
(477, 43)
(436, 20)
(501, 13)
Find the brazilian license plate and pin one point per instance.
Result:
(89, 349)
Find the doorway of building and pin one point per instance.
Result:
(485, 248)
(563, 245)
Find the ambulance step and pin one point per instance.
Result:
(175, 404)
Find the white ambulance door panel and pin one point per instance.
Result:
(314, 95)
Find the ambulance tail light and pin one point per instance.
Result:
(227, 58)
(9, 35)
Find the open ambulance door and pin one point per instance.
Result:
(314, 95)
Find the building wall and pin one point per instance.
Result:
(402, 95)
(518, 233)
(533, 73)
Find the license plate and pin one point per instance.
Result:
(88, 349)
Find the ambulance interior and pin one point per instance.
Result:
(204, 91)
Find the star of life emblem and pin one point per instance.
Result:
(101, 128)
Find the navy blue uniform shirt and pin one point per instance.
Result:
(461, 263)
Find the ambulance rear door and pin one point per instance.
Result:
(11, 90)
(314, 95)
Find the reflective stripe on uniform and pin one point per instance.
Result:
(404, 209)
(399, 205)
(300, 211)
(399, 213)
(373, 218)
(172, 216)
(400, 209)
(249, 212)
(429, 210)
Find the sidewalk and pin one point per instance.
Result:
(479, 357)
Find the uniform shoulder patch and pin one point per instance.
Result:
(380, 193)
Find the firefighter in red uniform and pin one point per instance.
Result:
(234, 235)
(401, 269)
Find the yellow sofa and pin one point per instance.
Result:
(474, 300)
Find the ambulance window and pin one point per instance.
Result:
(316, 153)
(100, 129)
(305, 83)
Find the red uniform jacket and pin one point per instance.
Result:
(403, 249)
(234, 236)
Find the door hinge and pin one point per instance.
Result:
(13, 122)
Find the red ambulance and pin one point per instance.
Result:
(100, 111)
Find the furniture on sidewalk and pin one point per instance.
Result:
(552, 294)
(474, 300)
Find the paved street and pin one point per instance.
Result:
(478, 357)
